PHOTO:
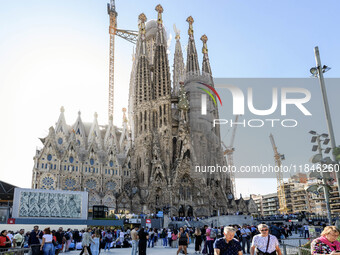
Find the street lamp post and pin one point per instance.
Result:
(318, 72)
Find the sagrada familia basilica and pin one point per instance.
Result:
(148, 164)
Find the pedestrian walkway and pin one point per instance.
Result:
(159, 249)
(149, 251)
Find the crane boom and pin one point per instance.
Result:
(128, 35)
(280, 184)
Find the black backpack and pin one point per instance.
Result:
(67, 236)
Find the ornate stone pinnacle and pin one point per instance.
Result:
(159, 8)
(62, 109)
(142, 17)
(204, 39)
(96, 115)
(79, 113)
(190, 20)
(141, 25)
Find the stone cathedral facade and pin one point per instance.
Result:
(149, 163)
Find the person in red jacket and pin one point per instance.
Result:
(5, 242)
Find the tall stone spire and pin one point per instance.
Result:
(206, 64)
(61, 124)
(179, 68)
(162, 83)
(192, 60)
(143, 77)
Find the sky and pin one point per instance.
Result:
(56, 53)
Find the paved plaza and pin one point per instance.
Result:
(159, 249)
(149, 251)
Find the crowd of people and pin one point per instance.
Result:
(231, 240)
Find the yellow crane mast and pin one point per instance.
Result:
(128, 35)
(280, 184)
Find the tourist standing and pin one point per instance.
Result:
(47, 242)
(18, 239)
(169, 237)
(34, 240)
(211, 234)
(5, 242)
(108, 240)
(306, 230)
(246, 234)
(264, 242)
(68, 238)
(134, 240)
(60, 239)
(228, 245)
(95, 246)
(183, 240)
(204, 238)
(151, 238)
(198, 240)
(143, 237)
(164, 236)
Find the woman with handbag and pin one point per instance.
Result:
(265, 243)
(327, 243)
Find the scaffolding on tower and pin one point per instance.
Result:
(280, 183)
(129, 35)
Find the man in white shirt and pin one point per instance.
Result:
(265, 242)
(306, 230)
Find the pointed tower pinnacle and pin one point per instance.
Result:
(61, 125)
(192, 60)
(159, 9)
(179, 68)
(160, 39)
(142, 19)
(162, 83)
(206, 64)
(143, 75)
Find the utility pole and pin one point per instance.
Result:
(320, 72)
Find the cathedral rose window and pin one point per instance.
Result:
(91, 184)
(70, 182)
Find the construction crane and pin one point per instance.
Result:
(280, 184)
(129, 35)
(229, 151)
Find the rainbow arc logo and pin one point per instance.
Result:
(204, 97)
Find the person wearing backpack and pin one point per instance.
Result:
(211, 235)
(68, 238)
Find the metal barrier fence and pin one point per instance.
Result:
(14, 251)
(294, 250)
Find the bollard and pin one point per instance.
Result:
(284, 248)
